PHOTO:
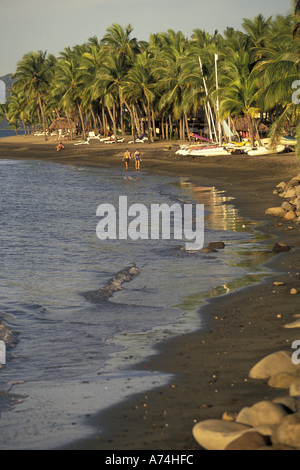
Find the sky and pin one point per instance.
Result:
(53, 25)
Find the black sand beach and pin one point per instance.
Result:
(210, 366)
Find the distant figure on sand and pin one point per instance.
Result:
(126, 159)
(59, 147)
(137, 157)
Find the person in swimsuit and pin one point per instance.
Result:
(126, 159)
(59, 147)
(137, 157)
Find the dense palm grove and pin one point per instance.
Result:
(120, 84)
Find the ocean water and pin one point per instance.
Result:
(71, 349)
(10, 132)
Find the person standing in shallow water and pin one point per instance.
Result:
(137, 157)
(126, 159)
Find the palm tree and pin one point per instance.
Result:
(119, 40)
(197, 66)
(91, 62)
(296, 4)
(108, 87)
(279, 70)
(33, 77)
(139, 85)
(296, 11)
(168, 67)
(239, 92)
(66, 85)
(4, 112)
(161, 78)
(257, 33)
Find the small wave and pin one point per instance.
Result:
(114, 285)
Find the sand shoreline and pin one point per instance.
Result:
(212, 365)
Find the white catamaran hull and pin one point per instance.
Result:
(265, 151)
(207, 152)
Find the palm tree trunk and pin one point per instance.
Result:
(149, 122)
(187, 126)
(170, 126)
(43, 115)
(251, 130)
(121, 117)
(137, 124)
(131, 119)
(104, 122)
(82, 121)
(113, 119)
(153, 123)
(257, 133)
(182, 128)
(114, 122)
(94, 121)
(70, 128)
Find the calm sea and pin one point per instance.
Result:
(9, 132)
(71, 351)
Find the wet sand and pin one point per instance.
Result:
(210, 366)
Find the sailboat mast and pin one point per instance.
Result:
(208, 108)
(218, 104)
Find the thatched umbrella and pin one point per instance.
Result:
(241, 124)
(64, 124)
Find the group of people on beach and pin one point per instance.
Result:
(137, 159)
(126, 157)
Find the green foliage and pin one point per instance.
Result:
(120, 82)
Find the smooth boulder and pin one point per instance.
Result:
(216, 434)
(274, 363)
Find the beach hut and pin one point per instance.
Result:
(63, 126)
(241, 124)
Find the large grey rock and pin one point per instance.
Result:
(207, 249)
(288, 431)
(282, 379)
(281, 186)
(252, 440)
(290, 215)
(291, 403)
(276, 211)
(274, 363)
(287, 206)
(294, 324)
(280, 247)
(216, 434)
(217, 245)
(292, 183)
(263, 413)
(294, 390)
(290, 193)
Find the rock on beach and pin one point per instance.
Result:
(280, 247)
(266, 425)
(290, 208)
(274, 363)
(216, 434)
